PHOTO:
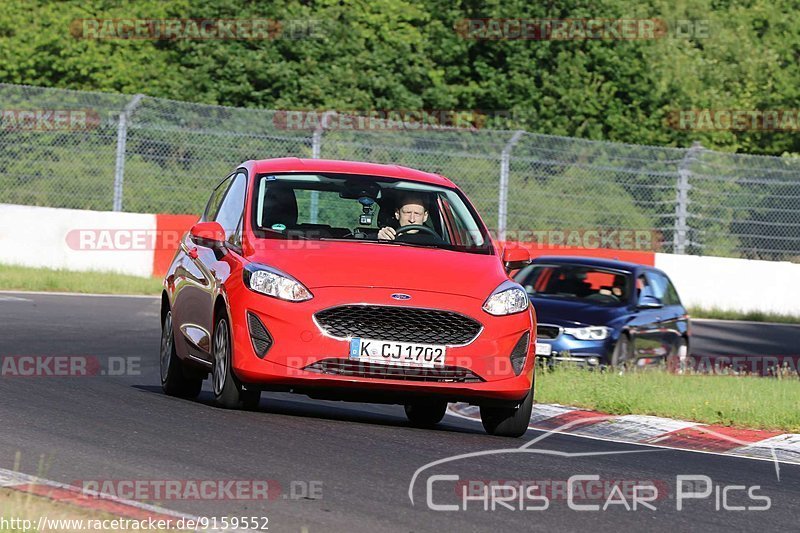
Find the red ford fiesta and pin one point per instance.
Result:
(351, 281)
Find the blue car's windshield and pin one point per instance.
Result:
(577, 282)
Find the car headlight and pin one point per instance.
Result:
(591, 333)
(272, 282)
(507, 299)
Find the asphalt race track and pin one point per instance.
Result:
(340, 467)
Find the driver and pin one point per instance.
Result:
(412, 210)
(618, 288)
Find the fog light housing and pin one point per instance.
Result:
(520, 353)
(259, 336)
(592, 361)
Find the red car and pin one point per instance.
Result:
(285, 285)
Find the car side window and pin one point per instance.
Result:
(643, 288)
(464, 236)
(231, 209)
(663, 289)
(672, 294)
(528, 275)
(212, 207)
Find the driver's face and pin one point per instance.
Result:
(411, 214)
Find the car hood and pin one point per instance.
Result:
(574, 313)
(319, 264)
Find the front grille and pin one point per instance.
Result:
(401, 324)
(347, 367)
(546, 331)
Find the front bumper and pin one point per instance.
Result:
(565, 348)
(300, 347)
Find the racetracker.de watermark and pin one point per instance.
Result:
(644, 240)
(597, 490)
(734, 119)
(49, 119)
(151, 523)
(388, 119)
(172, 29)
(38, 366)
(725, 365)
(580, 29)
(136, 239)
(200, 489)
(122, 239)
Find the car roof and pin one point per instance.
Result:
(591, 261)
(333, 166)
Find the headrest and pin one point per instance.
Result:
(280, 206)
(385, 212)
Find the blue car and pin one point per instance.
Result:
(600, 312)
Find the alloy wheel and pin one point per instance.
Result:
(221, 344)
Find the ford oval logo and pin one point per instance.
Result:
(401, 296)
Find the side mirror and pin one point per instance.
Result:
(650, 302)
(516, 258)
(208, 234)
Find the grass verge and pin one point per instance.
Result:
(742, 401)
(753, 316)
(45, 279)
(21, 512)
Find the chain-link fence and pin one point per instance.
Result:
(132, 153)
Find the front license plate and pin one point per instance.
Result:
(397, 353)
(544, 349)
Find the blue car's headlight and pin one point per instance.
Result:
(272, 282)
(591, 333)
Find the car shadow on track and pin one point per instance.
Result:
(301, 406)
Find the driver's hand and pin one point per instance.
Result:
(387, 234)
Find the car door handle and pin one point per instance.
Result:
(193, 252)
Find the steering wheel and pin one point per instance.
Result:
(412, 227)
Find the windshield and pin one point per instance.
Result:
(357, 208)
(577, 282)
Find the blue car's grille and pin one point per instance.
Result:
(547, 331)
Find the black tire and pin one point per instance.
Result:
(174, 379)
(425, 414)
(227, 390)
(622, 356)
(508, 421)
(250, 399)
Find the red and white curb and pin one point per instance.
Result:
(657, 431)
(92, 500)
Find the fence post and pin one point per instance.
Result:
(682, 202)
(122, 139)
(502, 208)
(316, 146)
